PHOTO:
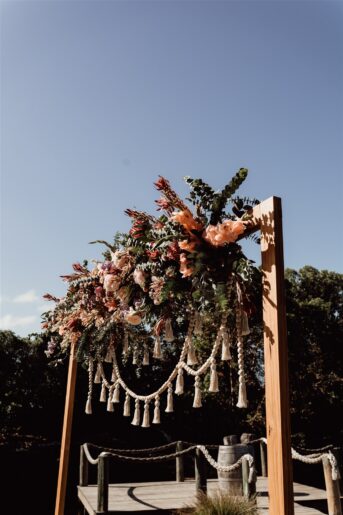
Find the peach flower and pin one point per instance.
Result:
(133, 317)
(139, 277)
(227, 232)
(185, 269)
(111, 282)
(190, 246)
(185, 218)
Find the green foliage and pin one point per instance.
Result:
(220, 199)
(221, 504)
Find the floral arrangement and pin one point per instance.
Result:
(179, 277)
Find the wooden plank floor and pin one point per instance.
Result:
(167, 495)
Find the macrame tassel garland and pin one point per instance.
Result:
(88, 408)
(146, 360)
(197, 324)
(103, 396)
(135, 357)
(168, 331)
(127, 406)
(170, 401)
(116, 393)
(137, 414)
(213, 378)
(113, 376)
(197, 394)
(245, 329)
(146, 416)
(157, 348)
(179, 387)
(242, 391)
(97, 377)
(109, 355)
(157, 416)
(126, 343)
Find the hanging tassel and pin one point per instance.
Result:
(116, 393)
(170, 402)
(157, 348)
(88, 409)
(135, 357)
(168, 331)
(103, 393)
(110, 406)
(242, 395)
(226, 354)
(97, 377)
(191, 355)
(113, 376)
(213, 378)
(137, 414)
(146, 356)
(179, 387)
(127, 406)
(146, 416)
(242, 391)
(245, 329)
(109, 355)
(197, 395)
(126, 343)
(157, 416)
(197, 324)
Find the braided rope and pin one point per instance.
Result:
(133, 451)
(234, 466)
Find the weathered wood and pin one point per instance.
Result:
(103, 481)
(200, 472)
(247, 437)
(332, 489)
(263, 455)
(84, 466)
(230, 439)
(269, 217)
(180, 476)
(66, 434)
(337, 452)
(249, 489)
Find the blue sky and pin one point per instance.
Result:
(99, 97)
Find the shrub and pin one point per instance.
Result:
(221, 504)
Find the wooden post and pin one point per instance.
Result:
(230, 439)
(103, 480)
(269, 217)
(249, 489)
(83, 476)
(263, 455)
(66, 434)
(200, 472)
(332, 489)
(180, 475)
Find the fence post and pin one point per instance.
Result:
(200, 472)
(103, 480)
(263, 454)
(180, 475)
(332, 489)
(83, 476)
(249, 489)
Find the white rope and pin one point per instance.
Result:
(230, 468)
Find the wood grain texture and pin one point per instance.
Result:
(66, 434)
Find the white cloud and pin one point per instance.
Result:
(27, 297)
(11, 322)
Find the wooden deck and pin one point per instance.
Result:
(167, 496)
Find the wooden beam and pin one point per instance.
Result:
(66, 434)
(268, 218)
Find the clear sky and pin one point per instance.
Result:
(99, 97)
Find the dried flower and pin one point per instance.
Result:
(185, 269)
(133, 317)
(227, 232)
(185, 218)
(156, 288)
(139, 276)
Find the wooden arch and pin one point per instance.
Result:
(267, 218)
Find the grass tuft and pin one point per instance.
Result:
(220, 504)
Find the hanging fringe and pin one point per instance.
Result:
(97, 377)
(197, 324)
(116, 393)
(88, 409)
(157, 416)
(213, 378)
(170, 402)
(179, 387)
(146, 360)
(197, 394)
(126, 343)
(110, 406)
(168, 331)
(146, 416)
(103, 393)
(191, 355)
(137, 414)
(157, 348)
(127, 406)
